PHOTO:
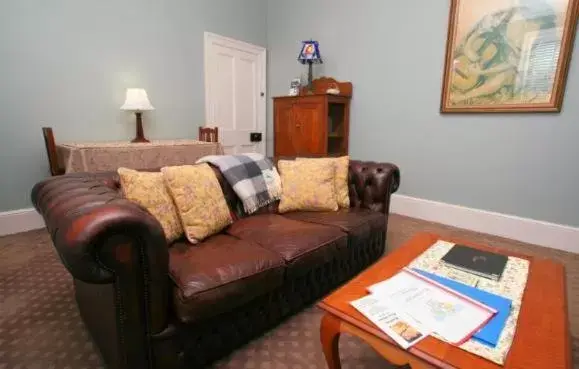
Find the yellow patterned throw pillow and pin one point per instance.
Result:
(307, 185)
(148, 190)
(200, 202)
(340, 178)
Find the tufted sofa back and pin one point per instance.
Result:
(369, 182)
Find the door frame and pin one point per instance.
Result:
(213, 38)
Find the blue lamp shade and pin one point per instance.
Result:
(310, 53)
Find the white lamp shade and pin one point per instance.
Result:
(137, 100)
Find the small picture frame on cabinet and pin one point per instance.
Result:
(295, 87)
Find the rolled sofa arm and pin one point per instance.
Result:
(84, 214)
(107, 241)
(371, 184)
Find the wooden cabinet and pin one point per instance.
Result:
(313, 124)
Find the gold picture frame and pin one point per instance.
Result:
(507, 55)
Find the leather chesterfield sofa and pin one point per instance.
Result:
(147, 304)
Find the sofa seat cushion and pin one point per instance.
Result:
(219, 274)
(365, 229)
(347, 220)
(302, 245)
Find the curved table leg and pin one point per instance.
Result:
(330, 336)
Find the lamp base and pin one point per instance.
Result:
(140, 137)
(139, 140)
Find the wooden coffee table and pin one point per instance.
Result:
(542, 338)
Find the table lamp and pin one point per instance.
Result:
(310, 54)
(137, 101)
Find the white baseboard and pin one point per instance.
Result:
(527, 230)
(22, 220)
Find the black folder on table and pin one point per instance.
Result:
(482, 263)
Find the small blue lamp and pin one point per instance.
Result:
(310, 54)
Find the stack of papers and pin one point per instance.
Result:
(489, 334)
(413, 304)
(402, 328)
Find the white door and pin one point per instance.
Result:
(235, 93)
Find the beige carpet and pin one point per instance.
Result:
(40, 327)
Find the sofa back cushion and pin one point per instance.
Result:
(112, 180)
(307, 185)
(340, 177)
(148, 190)
(199, 200)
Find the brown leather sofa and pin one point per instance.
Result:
(152, 305)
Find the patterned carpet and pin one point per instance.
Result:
(40, 327)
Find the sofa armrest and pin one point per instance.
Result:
(83, 214)
(371, 184)
(103, 238)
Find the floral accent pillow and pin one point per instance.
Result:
(148, 190)
(307, 185)
(199, 199)
(340, 178)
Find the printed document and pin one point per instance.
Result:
(453, 316)
(401, 328)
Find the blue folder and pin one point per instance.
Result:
(489, 334)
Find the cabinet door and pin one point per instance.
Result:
(284, 129)
(309, 126)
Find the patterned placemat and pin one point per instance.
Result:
(511, 285)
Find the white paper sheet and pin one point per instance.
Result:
(453, 316)
(401, 328)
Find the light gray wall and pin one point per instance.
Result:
(393, 53)
(66, 64)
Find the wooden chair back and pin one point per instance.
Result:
(209, 134)
(50, 144)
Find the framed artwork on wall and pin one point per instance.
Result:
(507, 55)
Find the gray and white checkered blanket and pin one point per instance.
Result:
(252, 176)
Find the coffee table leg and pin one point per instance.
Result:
(330, 336)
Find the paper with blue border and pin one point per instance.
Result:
(490, 333)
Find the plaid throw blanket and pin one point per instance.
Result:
(252, 176)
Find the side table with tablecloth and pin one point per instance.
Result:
(105, 156)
